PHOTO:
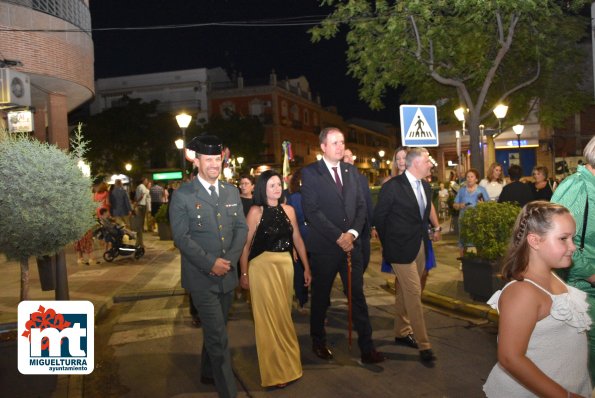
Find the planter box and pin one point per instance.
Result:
(164, 230)
(481, 278)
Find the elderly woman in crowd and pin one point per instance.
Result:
(542, 188)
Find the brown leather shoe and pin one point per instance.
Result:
(372, 357)
(322, 351)
(408, 341)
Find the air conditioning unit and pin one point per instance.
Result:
(15, 88)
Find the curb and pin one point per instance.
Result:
(453, 305)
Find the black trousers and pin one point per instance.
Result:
(324, 271)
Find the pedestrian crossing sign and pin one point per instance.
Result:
(419, 125)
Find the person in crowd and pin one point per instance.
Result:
(209, 229)
(149, 222)
(120, 204)
(84, 247)
(294, 199)
(494, 182)
(112, 226)
(542, 187)
(156, 194)
(402, 217)
(443, 195)
(542, 342)
(366, 231)
(246, 186)
(516, 191)
(335, 210)
(101, 197)
(577, 193)
(141, 200)
(468, 196)
(267, 270)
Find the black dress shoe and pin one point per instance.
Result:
(372, 357)
(427, 356)
(408, 341)
(322, 351)
(207, 380)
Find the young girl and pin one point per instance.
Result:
(542, 340)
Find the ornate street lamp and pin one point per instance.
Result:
(518, 130)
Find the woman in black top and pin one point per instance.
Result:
(246, 186)
(267, 270)
(542, 187)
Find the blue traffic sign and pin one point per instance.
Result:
(419, 125)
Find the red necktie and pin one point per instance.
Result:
(337, 179)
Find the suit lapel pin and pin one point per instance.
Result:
(197, 205)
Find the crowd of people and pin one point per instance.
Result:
(279, 243)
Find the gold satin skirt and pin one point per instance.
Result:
(271, 290)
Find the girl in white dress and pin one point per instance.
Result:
(542, 340)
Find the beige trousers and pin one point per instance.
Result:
(409, 313)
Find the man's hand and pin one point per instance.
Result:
(436, 236)
(345, 241)
(221, 267)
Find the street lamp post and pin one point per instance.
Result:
(183, 120)
(460, 115)
(381, 153)
(518, 130)
(128, 166)
(240, 160)
(500, 113)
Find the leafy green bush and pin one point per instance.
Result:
(46, 201)
(161, 215)
(488, 227)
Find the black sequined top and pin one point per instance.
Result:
(273, 234)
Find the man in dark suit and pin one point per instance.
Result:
(335, 210)
(516, 191)
(209, 228)
(401, 217)
(366, 231)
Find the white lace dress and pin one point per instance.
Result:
(558, 346)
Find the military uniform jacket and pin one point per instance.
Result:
(205, 229)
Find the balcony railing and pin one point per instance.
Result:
(75, 12)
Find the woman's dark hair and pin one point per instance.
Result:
(246, 176)
(295, 183)
(474, 171)
(536, 218)
(260, 191)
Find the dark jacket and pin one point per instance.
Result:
(516, 192)
(398, 222)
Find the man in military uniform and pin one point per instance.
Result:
(209, 228)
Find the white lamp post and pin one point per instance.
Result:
(128, 166)
(460, 115)
(500, 113)
(240, 160)
(183, 120)
(518, 130)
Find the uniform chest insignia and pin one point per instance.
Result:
(197, 205)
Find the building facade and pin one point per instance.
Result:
(50, 42)
(291, 113)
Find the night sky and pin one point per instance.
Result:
(253, 51)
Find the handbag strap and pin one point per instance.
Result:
(585, 218)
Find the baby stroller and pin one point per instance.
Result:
(114, 233)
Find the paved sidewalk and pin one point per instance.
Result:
(158, 274)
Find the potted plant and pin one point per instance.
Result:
(162, 220)
(485, 232)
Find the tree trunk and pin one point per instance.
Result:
(61, 292)
(24, 278)
(474, 141)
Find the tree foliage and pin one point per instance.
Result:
(474, 53)
(133, 132)
(243, 135)
(46, 201)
